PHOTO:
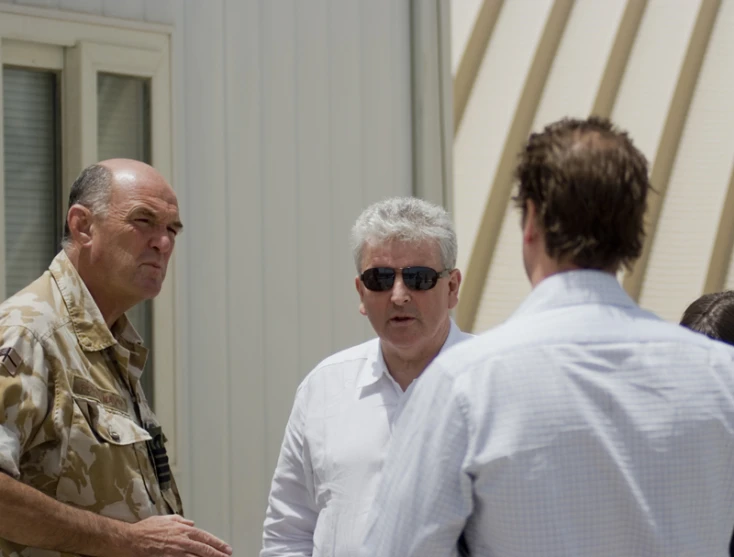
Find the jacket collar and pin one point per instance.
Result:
(89, 326)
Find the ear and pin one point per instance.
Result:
(79, 219)
(360, 290)
(530, 223)
(454, 283)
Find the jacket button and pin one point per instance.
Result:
(115, 436)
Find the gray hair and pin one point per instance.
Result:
(406, 219)
(92, 190)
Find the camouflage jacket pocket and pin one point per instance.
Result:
(106, 468)
(111, 427)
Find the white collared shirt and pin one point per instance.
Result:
(583, 426)
(332, 453)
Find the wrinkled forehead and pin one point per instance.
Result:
(395, 252)
(155, 201)
(154, 191)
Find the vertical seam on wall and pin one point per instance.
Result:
(329, 116)
(227, 267)
(296, 180)
(416, 108)
(442, 109)
(362, 110)
(670, 138)
(263, 184)
(500, 192)
(188, 291)
(261, 225)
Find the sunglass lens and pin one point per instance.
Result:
(379, 279)
(420, 278)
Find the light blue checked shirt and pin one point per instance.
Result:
(583, 426)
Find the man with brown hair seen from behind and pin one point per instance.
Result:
(83, 466)
(583, 425)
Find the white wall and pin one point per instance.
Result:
(292, 116)
(289, 118)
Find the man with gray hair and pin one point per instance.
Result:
(342, 417)
(83, 465)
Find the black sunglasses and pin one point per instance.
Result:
(380, 279)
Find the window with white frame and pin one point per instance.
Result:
(74, 93)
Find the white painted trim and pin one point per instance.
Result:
(37, 26)
(78, 116)
(88, 19)
(32, 55)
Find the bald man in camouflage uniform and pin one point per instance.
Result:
(83, 467)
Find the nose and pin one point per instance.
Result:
(162, 241)
(400, 293)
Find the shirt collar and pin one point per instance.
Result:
(573, 288)
(375, 366)
(89, 326)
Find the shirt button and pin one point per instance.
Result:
(115, 436)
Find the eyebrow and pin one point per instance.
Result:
(143, 211)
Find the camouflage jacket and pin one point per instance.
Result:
(74, 422)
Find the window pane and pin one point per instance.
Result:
(32, 185)
(123, 117)
(124, 132)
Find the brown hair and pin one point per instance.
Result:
(712, 315)
(589, 185)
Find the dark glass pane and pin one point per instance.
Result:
(32, 185)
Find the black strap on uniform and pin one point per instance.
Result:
(157, 453)
(159, 456)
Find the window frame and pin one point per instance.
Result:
(80, 47)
